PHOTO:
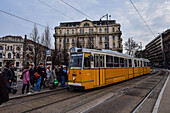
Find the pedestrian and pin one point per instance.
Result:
(14, 78)
(39, 71)
(48, 75)
(52, 77)
(61, 73)
(43, 77)
(57, 73)
(4, 96)
(32, 78)
(7, 73)
(26, 80)
(65, 73)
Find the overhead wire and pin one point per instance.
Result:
(76, 9)
(142, 18)
(55, 9)
(24, 19)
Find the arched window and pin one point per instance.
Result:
(9, 55)
(60, 31)
(18, 48)
(67, 31)
(17, 56)
(100, 30)
(86, 25)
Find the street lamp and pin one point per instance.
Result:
(107, 28)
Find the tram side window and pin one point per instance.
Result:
(116, 61)
(102, 61)
(121, 62)
(126, 65)
(138, 63)
(145, 64)
(130, 62)
(109, 61)
(87, 62)
(135, 62)
(96, 63)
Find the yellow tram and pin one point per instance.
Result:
(91, 68)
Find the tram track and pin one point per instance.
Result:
(79, 99)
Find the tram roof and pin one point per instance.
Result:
(106, 51)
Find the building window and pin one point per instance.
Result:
(92, 39)
(105, 46)
(89, 30)
(105, 30)
(113, 37)
(60, 39)
(1, 48)
(0, 55)
(83, 39)
(9, 55)
(67, 40)
(8, 47)
(100, 30)
(18, 48)
(72, 31)
(60, 31)
(92, 46)
(100, 38)
(17, 64)
(105, 38)
(113, 29)
(92, 30)
(72, 40)
(81, 30)
(17, 56)
(113, 45)
(86, 25)
(67, 31)
(0, 64)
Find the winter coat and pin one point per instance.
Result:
(52, 76)
(4, 96)
(26, 76)
(7, 73)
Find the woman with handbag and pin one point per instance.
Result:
(38, 77)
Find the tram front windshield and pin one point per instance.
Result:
(76, 61)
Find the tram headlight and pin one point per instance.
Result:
(74, 79)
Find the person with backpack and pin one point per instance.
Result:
(26, 80)
(7, 73)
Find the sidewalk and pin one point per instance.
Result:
(19, 91)
(163, 102)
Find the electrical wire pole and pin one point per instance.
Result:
(25, 44)
(107, 29)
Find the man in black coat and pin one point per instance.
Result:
(4, 96)
(7, 73)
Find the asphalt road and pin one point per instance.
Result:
(117, 98)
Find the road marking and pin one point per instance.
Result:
(156, 107)
(91, 104)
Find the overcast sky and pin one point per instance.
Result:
(155, 12)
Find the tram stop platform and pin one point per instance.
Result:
(163, 101)
(31, 93)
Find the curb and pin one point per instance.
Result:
(36, 93)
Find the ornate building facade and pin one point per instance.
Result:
(14, 50)
(86, 34)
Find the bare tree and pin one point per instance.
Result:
(47, 37)
(131, 46)
(35, 38)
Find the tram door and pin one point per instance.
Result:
(99, 77)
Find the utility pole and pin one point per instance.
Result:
(107, 29)
(25, 44)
